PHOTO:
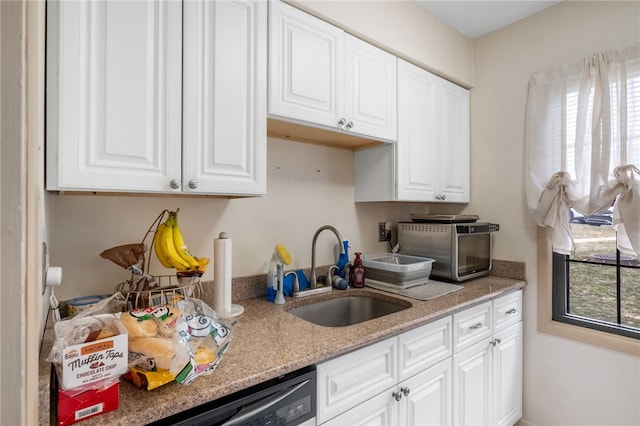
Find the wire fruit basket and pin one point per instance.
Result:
(170, 290)
(144, 290)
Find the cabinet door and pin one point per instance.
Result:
(424, 347)
(453, 147)
(370, 88)
(381, 410)
(428, 401)
(417, 146)
(472, 325)
(306, 58)
(225, 97)
(113, 95)
(507, 310)
(472, 374)
(353, 378)
(507, 377)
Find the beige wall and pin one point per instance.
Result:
(566, 382)
(308, 186)
(403, 28)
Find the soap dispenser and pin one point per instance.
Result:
(358, 272)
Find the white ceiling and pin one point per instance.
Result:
(476, 18)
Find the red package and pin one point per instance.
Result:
(74, 406)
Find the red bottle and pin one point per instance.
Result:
(358, 272)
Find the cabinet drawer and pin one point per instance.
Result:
(507, 310)
(471, 326)
(353, 378)
(423, 347)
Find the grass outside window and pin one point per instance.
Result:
(591, 290)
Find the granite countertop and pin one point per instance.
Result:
(268, 341)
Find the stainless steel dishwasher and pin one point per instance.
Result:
(287, 400)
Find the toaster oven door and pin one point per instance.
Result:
(473, 256)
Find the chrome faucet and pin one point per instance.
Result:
(313, 279)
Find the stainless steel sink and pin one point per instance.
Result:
(347, 310)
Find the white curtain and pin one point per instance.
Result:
(583, 145)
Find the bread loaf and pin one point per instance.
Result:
(154, 347)
(139, 327)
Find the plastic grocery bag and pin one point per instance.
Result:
(90, 349)
(199, 342)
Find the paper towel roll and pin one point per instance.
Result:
(222, 274)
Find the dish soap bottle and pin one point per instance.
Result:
(358, 272)
(343, 259)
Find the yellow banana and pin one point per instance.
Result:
(202, 263)
(180, 246)
(174, 258)
(158, 245)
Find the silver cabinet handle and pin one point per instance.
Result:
(174, 184)
(511, 311)
(350, 125)
(397, 396)
(342, 121)
(405, 391)
(476, 326)
(193, 183)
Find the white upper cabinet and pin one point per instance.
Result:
(116, 87)
(370, 90)
(225, 84)
(305, 54)
(430, 161)
(113, 95)
(320, 76)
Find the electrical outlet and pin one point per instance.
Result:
(382, 232)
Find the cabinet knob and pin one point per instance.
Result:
(342, 122)
(350, 125)
(405, 391)
(397, 396)
(512, 311)
(174, 184)
(193, 184)
(441, 197)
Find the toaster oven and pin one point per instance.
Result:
(461, 251)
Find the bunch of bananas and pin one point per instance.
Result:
(171, 250)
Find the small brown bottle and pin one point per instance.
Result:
(358, 272)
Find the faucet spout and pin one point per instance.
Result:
(313, 280)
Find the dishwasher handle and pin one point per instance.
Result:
(256, 408)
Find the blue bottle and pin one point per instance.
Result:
(343, 259)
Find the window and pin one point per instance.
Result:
(597, 287)
(583, 184)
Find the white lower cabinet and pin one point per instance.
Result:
(428, 397)
(487, 375)
(464, 369)
(402, 380)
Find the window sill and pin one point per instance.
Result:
(547, 325)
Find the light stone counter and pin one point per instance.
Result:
(268, 342)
